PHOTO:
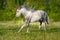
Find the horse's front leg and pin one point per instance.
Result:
(40, 26)
(28, 28)
(21, 27)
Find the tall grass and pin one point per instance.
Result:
(9, 32)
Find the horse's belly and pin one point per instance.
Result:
(35, 18)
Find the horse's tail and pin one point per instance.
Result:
(47, 19)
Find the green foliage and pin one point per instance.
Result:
(8, 8)
(2, 4)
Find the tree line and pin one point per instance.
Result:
(8, 8)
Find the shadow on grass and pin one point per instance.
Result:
(53, 30)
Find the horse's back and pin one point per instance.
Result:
(39, 15)
(36, 16)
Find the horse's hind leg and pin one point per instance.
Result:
(40, 26)
(45, 26)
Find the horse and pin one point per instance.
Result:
(32, 15)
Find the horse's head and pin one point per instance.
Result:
(18, 13)
(20, 10)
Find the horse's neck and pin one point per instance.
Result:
(24, 13)
(27, 14)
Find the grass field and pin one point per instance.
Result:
(8, 31)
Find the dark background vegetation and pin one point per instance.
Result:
(8, 8)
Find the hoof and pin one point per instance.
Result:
(18, 31)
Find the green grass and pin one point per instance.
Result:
(9, 32)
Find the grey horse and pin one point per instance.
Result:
(32, 15)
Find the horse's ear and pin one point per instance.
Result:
(15, 7)
(19, 7)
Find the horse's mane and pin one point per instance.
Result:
(27, 7)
